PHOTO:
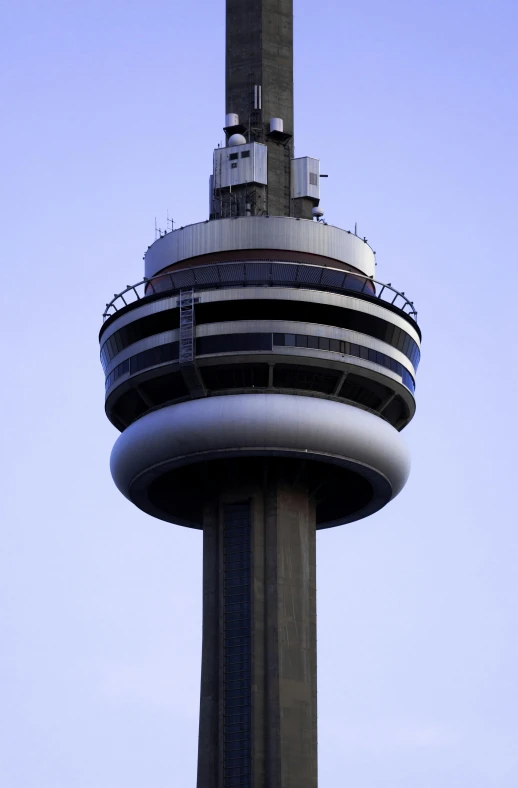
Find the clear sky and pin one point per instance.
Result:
(110, 112)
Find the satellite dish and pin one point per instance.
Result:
(237, 139)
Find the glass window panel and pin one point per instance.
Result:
(389, 333)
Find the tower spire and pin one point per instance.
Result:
(259, 85)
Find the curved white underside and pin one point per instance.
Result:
(253, 424)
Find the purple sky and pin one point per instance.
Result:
(110, 112)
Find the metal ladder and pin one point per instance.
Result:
(187, 350)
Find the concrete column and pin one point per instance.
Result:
(259, 51)
(291, 680)
(283, 635)
(259, 55)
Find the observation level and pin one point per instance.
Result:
(281, 322)
(260, 377)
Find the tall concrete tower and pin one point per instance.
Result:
(260, 378)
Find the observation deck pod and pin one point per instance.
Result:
(260, 345)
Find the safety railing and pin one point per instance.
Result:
(260, 273)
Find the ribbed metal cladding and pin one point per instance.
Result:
(272, 238)
(237, 636)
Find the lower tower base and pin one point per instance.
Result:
(258, 710)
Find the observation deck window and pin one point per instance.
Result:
(249, 309)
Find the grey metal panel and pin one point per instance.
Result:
(259, 232)
(301, 181)
(251, 424)
(251, 169)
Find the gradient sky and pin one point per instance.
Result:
(110, 112)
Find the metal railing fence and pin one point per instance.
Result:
(267, 273)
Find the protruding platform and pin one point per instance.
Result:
(172, 460)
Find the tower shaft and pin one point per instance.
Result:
(259, 84)
(260, 377)
(258, 721)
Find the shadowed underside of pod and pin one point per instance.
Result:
(173, 460)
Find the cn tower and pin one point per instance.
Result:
(260, 377)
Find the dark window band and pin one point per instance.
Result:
(116, 373)
(141, 329)
(162, 354)
(231, 343)
(309, 312)
(347, 349)
(228, 343)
